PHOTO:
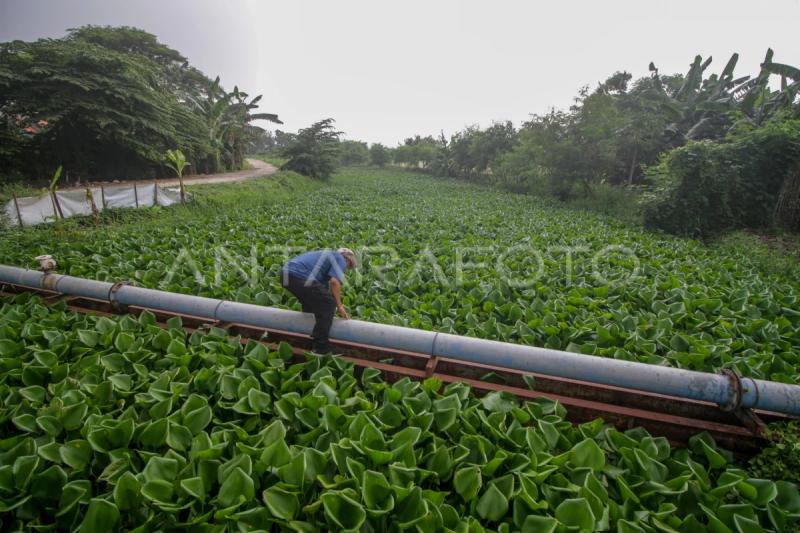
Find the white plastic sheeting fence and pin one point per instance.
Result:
(35, 210)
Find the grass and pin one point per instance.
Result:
(773, 255)
(246, 165)
(611, 201)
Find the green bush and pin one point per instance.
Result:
(353, 153)
(379, 155)
(315, 152)
(705, 188)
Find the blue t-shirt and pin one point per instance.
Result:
(320, 266)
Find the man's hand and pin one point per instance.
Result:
(336, 289)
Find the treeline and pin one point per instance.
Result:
(707, 152)
(107, 103)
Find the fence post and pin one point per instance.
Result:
(136, 195)
(103, 194)
(58, 204)
(16, 204)
(90, 199)
(155, 192)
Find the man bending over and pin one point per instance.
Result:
(307, 277)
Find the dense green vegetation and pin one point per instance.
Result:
(554, 277)
(115, 424)
(781, 460)
(715, 150)
(315, 151)
(112, 425)
(107, 103)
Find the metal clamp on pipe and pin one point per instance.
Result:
(112, 295)
(737, 390)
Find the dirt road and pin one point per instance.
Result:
(261, 170)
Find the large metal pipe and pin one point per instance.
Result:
(724, 390)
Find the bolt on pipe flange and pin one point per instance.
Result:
(737, 390)
(112, 295)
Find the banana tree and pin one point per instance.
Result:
(697, 108)
(227, 116)
(243, 118)
(178, 164)
(215, 110)
(758, 102)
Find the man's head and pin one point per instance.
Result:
(349, 256)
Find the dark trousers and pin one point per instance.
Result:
(315, 298)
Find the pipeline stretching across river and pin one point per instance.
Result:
(728, 390)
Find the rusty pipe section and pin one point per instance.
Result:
(729, 391)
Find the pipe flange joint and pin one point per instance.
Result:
(736, 390)
(112, 295)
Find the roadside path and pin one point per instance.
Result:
(261, 170)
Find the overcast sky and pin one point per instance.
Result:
(389, 70)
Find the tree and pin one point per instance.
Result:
(315, 151)
(379, 155)
(174, 75)
(415, 150)
(108, 102)
(241, 109)
(699, 108)
(94, 110)
(353, 153)
(486, 145)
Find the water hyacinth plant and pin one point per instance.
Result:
(458, 258)
(117, 424)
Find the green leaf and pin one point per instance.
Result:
(763, 491)
(76, 453)
(50, 425)
(280, 503)
(375, 489)
(146, 318)
(127, 492)
(238, 488)
(197, 420)
(101, 517)
(499, 401)
(539, 524)
(194, 486)
(155, 435)
(493, 505)
(48, 484)
(587, 454)
(576, 513)
(158, 491)
(160, 469)
(343, 511)
(467, 482)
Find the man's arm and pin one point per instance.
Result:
(336, 290)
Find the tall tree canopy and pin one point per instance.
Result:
(108, 103)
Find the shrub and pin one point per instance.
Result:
(353, 153)
(315, 151)
(705, 188)
(379, 155)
